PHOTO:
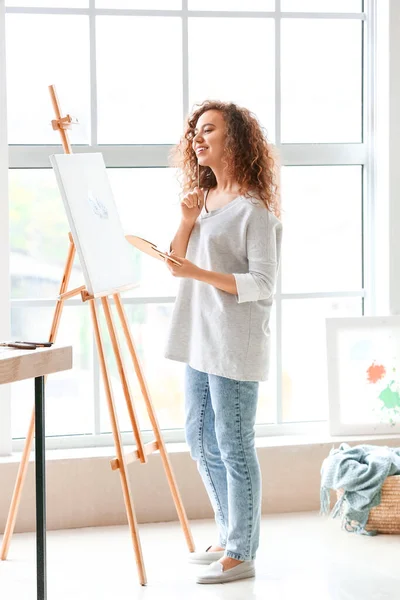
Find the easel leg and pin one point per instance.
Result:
(23, 467)
(19, 484)
(124, 380)
(156, 428)
(118, 447)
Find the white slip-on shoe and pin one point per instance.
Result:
(215, 573)
(205, 558)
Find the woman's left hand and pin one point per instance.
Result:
(185, 269)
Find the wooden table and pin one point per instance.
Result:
(16, 365)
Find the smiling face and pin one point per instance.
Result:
(209, 139)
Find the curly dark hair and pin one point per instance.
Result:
(249, 158)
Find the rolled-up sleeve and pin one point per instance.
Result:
(263, 245)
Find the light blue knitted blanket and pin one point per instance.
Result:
(360, 471)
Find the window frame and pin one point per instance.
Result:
(5, 396)
(37, 156)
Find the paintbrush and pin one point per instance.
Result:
(19, 345)
(38, 344)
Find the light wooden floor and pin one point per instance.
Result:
(302, 556)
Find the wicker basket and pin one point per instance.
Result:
(385, 518)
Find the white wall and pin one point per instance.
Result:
(5, 425)
(394, 155)
(83, 491)
(381, 148)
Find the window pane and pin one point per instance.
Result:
(258, 5)
(38, 235)
(69, 394)
(321, 5)
(140, 4)
(322, 220)
(321, 80)
(304, 372)
(165, 378)
(39, 228)
(242, 69)
(133, 107)
(49, 58)
(49, 3)
(149, 207)
(266, 410)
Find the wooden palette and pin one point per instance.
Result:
(149, 248)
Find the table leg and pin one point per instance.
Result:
(40, 468)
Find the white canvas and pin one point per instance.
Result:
(364, 375)
(105, 255)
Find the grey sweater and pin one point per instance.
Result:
(211, 330)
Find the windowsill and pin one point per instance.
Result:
(181, 447)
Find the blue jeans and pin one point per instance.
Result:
(220, 419)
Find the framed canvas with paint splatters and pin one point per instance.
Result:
(364, 375)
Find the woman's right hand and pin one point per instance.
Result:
(192, 205)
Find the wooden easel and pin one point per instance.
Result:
(142, 450)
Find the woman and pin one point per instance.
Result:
(228, 246)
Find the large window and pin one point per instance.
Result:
(130, 71)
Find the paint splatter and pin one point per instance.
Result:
(375, 373)
(361, 350)
(390, 398)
